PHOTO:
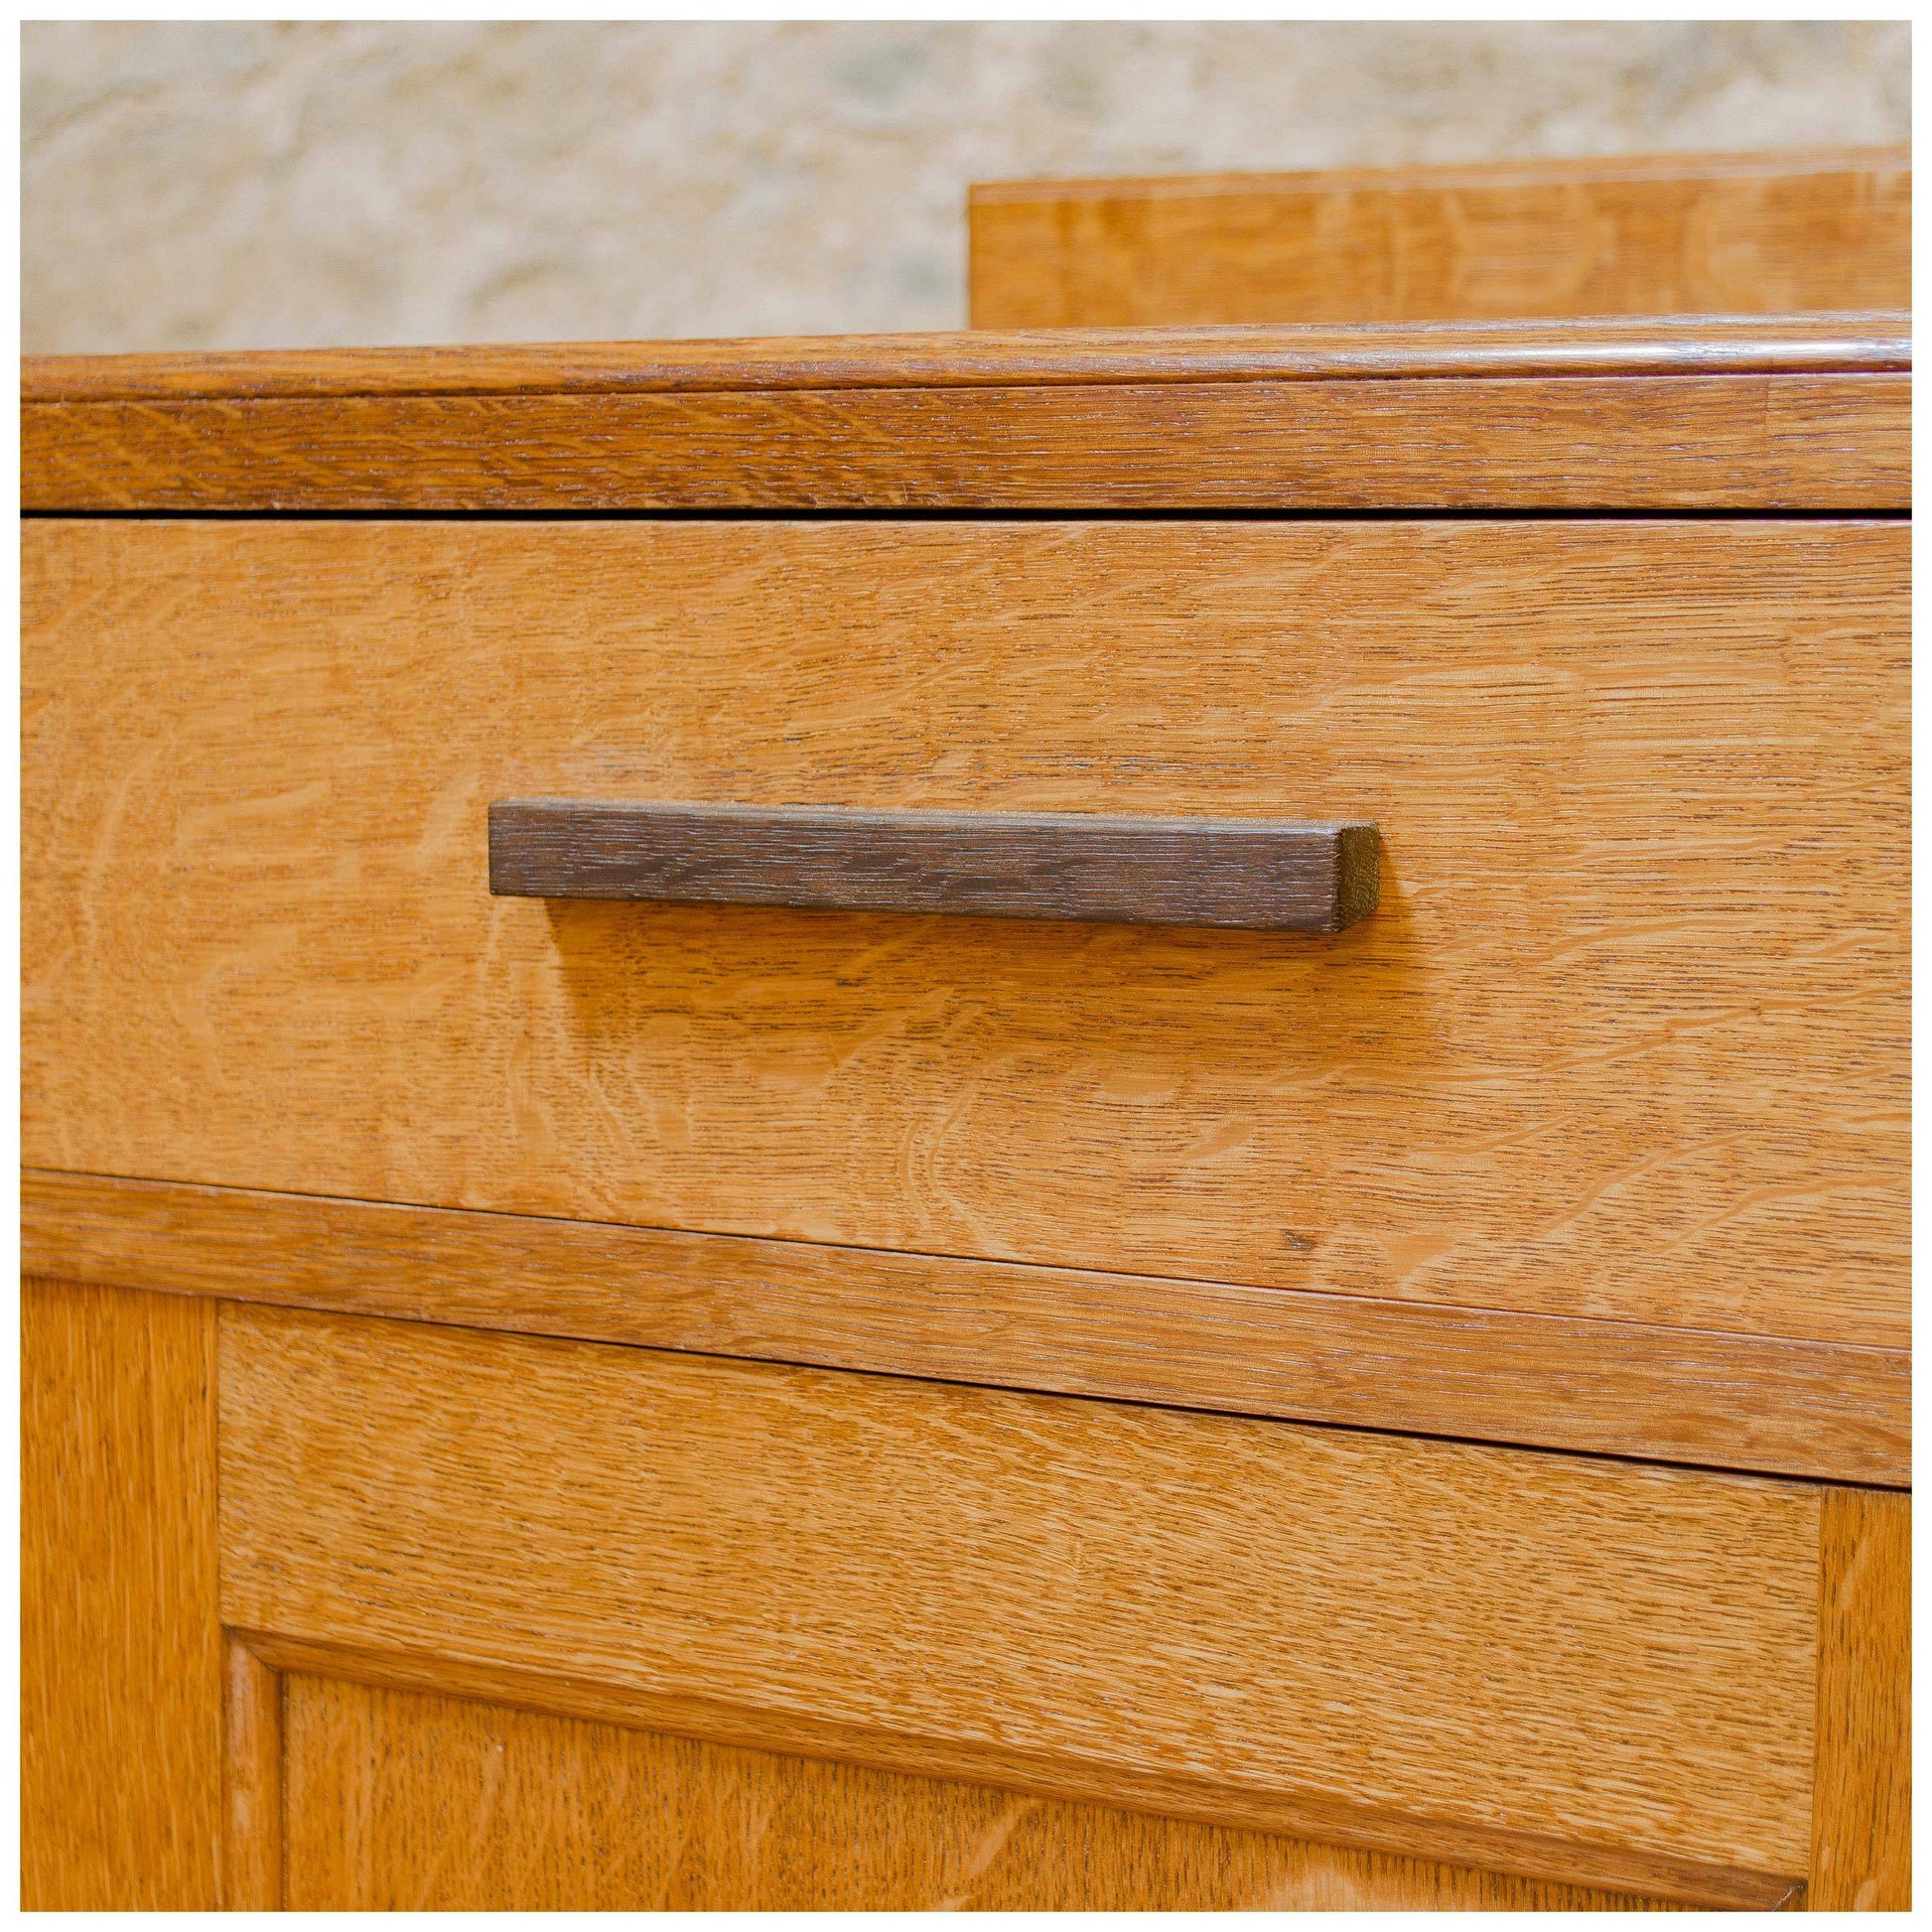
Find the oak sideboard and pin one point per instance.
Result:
(1079, 1120)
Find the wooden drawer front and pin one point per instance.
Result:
(1625, 1036)
(1594, 1671)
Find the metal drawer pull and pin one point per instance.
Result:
(1264, 874)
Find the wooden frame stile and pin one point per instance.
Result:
(251, 1780)
(120, 1641)
(1861, 1793)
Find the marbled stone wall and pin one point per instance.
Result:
(271, 185)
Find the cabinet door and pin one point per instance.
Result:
(507, 1622)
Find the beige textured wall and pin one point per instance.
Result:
(272, 185)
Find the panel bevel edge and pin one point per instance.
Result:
(1203, 1801)
(251, 1779)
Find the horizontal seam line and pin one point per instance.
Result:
(1150, 378)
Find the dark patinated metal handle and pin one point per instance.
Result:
(1265, 874)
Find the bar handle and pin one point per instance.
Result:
(1266, 875)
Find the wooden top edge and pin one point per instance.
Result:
(1836, 342)
(1772, 165)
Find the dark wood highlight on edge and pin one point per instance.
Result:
(1265, 875)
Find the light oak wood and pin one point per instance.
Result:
(1838, 339)
(1625, 1037)
(1858, 1838)
(1861, 1816)
(120, 1647)
(1669, 234)
(406, 1801)
(1580, 443)
(1592, 1138)
(252, 1797)
(1554, 1660)
(1166, 1794)
(1741, 1402)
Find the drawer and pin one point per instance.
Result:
(1624, 1038)
(1595, 1672)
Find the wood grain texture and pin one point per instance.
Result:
(1861, 1816)
(120, 1658)
(1605, 1654)
(1164, 1794)
(402, 1802)
(1838, 339)
(1251, 875)
(1676, 234)
(1738, 1402)
(252, 1800)
(1622, 442)
(1624, 1038)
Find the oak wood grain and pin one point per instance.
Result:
(252, 1784)
(1738, 1402)
(1624, 1038)
(1621, 442)
(1598, 238)
(1837, 339)
(1254, 874)
(1031, 1773)
(120, 1647)
(403, 1802)
(1862, 1808)
(1514, 1643)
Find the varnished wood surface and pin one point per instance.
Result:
(1834, 442)
(1861, 1816)
(1165, 1794)
(254, 1806)
(1598, 238)
(1569, 1653)
(1835, 340)
(1738, 1402)
(120, 1650)
(1251, 875)
(1625, 1038)
(402, 1802)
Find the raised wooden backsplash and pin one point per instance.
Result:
(1669, 234)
